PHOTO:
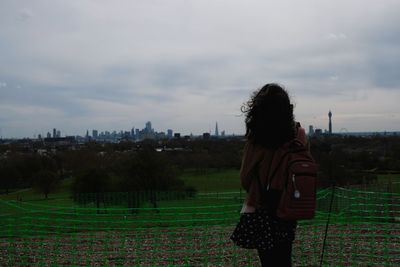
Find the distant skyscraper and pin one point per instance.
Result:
(169, 133)
(95, 134)
(58, 134)
(311, 130)
(48, 135)
(216, 129)
(148, 127)
(318, 132)
(330, 122)
(54, 132)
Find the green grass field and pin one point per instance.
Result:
(191, 231)
(213, 180)
(388, 178)
(226, 180)
(209, 181)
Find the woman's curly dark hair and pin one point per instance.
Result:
(269, 117)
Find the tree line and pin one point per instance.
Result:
(129, 166)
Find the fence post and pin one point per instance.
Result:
(327, 225)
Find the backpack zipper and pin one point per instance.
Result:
(296, 193)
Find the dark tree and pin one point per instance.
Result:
(145, 174)
(93, 183)
(9, 176)
(45, 182)
(92, 180)
(148, 170)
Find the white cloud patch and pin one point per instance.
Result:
(334, 36)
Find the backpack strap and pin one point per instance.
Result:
(268, 174)
(272, 176)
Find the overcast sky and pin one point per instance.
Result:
(185, 64)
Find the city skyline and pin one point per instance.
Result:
(76, 65)
(135, 133)
(148, 131)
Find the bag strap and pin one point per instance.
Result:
(270, 178)
(268, 174)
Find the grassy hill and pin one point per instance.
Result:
(213, 180)
(206, 182)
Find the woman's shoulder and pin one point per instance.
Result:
(257, 151)
(251, 146)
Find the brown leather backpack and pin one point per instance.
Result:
(297, 200)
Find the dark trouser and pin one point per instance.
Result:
(280, 256)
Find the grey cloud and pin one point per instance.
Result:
(385, 71)
(21, 92)
(24, 14)
(153, 55)
(384, 59)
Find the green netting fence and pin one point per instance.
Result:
(176, 229)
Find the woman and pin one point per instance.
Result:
(269, 125)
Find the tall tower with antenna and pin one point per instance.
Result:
(216, 129)
(330, 122)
